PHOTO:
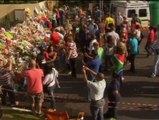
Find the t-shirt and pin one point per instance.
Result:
(152, 36)
(34, 81)
(50, 79)
(93, 64)
(134, 48)
(100, 52)
(5, 77)
(138, 34)
(115, 37)
(109, 20)
(119, 20)
(96, 89)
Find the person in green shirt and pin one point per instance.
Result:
(100, 52)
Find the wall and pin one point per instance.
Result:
(7, 11)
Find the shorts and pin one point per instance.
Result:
(37, 98)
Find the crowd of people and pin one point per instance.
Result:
(39, 49)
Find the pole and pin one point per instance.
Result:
(102, 4)
(154, 10)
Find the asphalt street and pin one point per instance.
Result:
(140, 93)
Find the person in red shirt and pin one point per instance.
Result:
(35, 86)
(52, 55)
(150, 40)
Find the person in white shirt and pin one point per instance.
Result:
(97, 90)
(93, 40)
(114, 35)
(50, 82)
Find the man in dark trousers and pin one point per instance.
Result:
(113, 97)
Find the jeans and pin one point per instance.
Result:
(113, 99)
(148, 48)
(51, 93)
(96, 109)
(112, 106)
(156, 65)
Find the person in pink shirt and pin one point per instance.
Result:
(72, 55)
(35, 86)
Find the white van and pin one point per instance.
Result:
(128, 9)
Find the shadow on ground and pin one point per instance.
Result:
(137, 115)
(140, 89)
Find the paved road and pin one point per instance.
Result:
(139, 98)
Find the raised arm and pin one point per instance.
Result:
(85, 78)
(92, 71)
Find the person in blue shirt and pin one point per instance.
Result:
(93, 63)
(133, 50)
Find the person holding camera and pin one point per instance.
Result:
(97, 89)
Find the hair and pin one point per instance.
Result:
(48, 68)
(100, 76)
(111, 25)
(108, 14)
(120, 49)
(49, 48)
(123, 38)
(69, 38)
(32, 63)
(109, 39)
(93, 36)
(137, 26)
(41, 50)
(94, 53)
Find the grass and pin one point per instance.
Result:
(18, 115)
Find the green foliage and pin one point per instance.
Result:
(18, 115)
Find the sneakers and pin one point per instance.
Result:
(40, 114)
(153, 76)
(69, 73)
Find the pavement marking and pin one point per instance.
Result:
(77, 99)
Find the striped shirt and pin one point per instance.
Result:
(5, 77)
(72, 47)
